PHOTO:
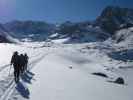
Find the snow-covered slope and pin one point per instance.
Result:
(124, 36)
(65, 72)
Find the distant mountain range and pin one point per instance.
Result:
(106, 25)
(34, 30)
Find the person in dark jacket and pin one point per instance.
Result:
(15, 61)
(26, 61)
(22, 63)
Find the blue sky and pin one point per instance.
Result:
(56, 10)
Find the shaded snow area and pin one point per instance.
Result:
(67, 72)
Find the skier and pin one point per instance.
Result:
(15, 61)
(22, 63)
(26, 58)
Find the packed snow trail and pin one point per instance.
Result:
(9, 91)
(8, 84)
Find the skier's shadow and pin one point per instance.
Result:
(21, 86)
(27, 77)
(23, 90)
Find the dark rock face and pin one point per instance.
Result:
(119, 80)
(114, 18)
(100, 74)
(82, 32)
(71, 28)
(33, 27)
(4, 40)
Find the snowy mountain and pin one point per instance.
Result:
(5, 37)
(113, 18)
(80, 32)
(34, 30)
(124, 36)
(41, 31)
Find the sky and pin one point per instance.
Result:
(56, 11)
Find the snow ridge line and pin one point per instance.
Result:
(12, 84)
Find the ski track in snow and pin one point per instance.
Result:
(3, 67)
(11, 84)
(9, 91)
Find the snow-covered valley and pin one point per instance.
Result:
(66, 72)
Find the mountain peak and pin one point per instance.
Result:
(113, 18)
